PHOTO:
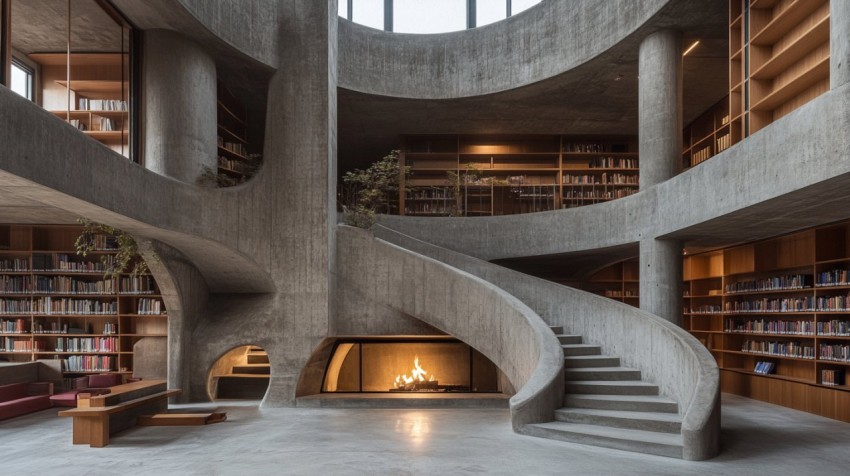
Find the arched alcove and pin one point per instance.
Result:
(242, 373)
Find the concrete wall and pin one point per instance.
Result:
(666, 355)
(493, 322)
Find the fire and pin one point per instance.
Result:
(418, 375)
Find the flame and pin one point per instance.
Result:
(418, 375)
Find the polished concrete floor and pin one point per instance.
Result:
(758, 439)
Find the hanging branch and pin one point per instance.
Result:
(126, 248)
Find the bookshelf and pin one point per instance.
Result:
(778, 59)
(619, 281)
(456, 175)
(235, 163)
(57, 305)
(784, 301)
(95, 100)
(707, 135)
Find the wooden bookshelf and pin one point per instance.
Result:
(778, 59)
(234, 157)
(57, 305)
(708, 135)
(784, 300)
(504, 175)
(95, 100)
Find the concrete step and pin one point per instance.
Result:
(586, 361)
(258, 358)
(260, 369)
(557, 329)
(569, 339)
(601, 373)
(647, 421)
(581, 349)
(627, 403)
(649, 442)
(609, 387)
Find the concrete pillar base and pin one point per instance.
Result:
(661, 278)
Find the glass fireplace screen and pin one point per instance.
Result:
(417, 366)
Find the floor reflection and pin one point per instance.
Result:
(415, 427)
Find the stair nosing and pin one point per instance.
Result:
(674, 440)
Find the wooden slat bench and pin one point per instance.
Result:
(98, 417)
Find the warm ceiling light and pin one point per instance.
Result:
(691, 48)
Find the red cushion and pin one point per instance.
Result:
(104, 380)
(65, 399)
(24, 405)
(13, 391)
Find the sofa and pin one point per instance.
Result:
(25, 397)
(92, 384)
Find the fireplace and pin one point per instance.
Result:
(409, 365)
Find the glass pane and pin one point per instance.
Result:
(416, 367)
(21, 82)
(490, 11)
(343, 8)
(368, 13)
(434, 16)
(520, 5)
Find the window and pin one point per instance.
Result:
(343, 9)
(22, 80)
(368, 13)
(433, 16)
(520, 5)
(490, 11)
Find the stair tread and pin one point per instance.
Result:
(623, 434)
(597, 356)
(601, 369)
(613, 383)
(243, 375)
(629, 398)
(657, 416)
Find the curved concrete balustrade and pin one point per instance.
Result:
(480, 314)
(666, 355)
(541, 42)
(787, 176)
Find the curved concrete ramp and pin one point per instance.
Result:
(649, 347)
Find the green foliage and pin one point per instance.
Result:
(372, 191)
(126, 257)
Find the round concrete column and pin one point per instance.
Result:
(660, 107)
(179, 81)
(839, 48)
(661, 278)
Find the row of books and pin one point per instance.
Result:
(234, 165)
(834, 328)
(769, 327)
(87, 344)
(430, 194)
(13, 326)
(835, 277)
(593, 147)
(706, 309)
(772, 305)
(701, 155)
(55, 327)
(833, 303)
(600, 194)
(613, 163)
(427, 208)
(765, 368)
(784, 349)
(103, 242)
(69, 285)
(67, 306)
(723, 142)
(794, 281)
(89, 363)
(137, 285)
(234, 147)
(16, 344)
(601, 179)
(16, 264)
(108, 124)
(15, 306)
(150, 306)
(87, 104)
(832, 377)
(616, 293)
(63, 262)
(836, 352)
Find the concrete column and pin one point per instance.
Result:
(661, 278)
(839, 47)
(660, 107)
(179, 83)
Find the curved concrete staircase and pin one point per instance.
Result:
(608, 405)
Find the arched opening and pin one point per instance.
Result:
(242, 373)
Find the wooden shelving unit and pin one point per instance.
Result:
(785, 301)
(95, 100)
(57, 305)
(234, 159)
(707, 136)
(779, 59)
(504, 175)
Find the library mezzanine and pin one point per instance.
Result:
(601, 214)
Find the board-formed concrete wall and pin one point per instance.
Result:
(667, 355)
(487, 318)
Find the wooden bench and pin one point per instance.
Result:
(99, 416)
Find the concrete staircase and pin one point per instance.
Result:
(246, 381)
(608, 405)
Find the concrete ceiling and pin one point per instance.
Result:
(41, 26)
(597, 98)
(572, 266)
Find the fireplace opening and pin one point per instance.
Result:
(408, 365)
